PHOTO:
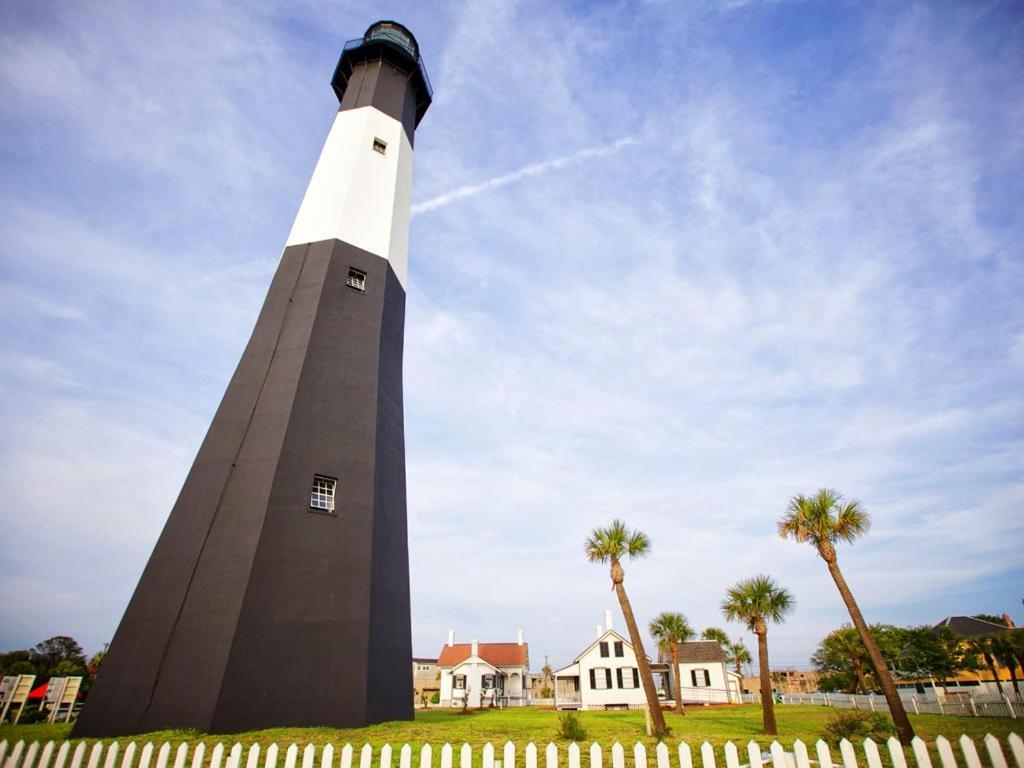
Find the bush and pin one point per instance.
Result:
(435, 697)
(570, 728)
(31, 715)
(858, 725)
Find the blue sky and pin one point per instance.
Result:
(670, 261)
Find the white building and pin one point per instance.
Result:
(605, 675)
(484, 674)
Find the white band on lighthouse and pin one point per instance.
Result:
(359, 194)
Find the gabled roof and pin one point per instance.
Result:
(608, 633)
(495, 654)
(968, 626)
(417, 660)
(700, 650)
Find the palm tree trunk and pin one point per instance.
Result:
(767, 699)
(861, 685)
(676, 682)
(1013, 674)
(646, 678)
(892, 698)
(992, 669)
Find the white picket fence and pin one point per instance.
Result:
(963, 704)
(869, 754)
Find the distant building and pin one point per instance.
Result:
(484, 674)
(426, 680)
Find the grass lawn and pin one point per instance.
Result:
(522, 725)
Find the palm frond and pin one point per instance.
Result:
(615, 542)
(759, 598)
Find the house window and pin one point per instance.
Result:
(487, 682)
(628, 677)
(604, 650)
(600, 678)
(379, 145)
(322, 496)
(701, 678)
(619, 651)
(459, 682)
(356, 279)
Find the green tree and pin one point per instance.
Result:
(755, 602)
(17, 663)
(97, 661)
(824, 520)
(50, 653)
(986, 647)
(610, 545)
(842, 655)
(668, 630)
(933, 654)
(739, 655)
(718, 635)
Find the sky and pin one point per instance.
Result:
(670, 262)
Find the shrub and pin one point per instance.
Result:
(435, 697)
(860, 725)
(570, 728)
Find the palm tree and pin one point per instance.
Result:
(610, 545)
(670, 629)
(987, 646)
(716, 634)
(1003, 649)
(739, 655)
(755, 602)
(824, 520)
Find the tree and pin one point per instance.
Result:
(670, 629)
(718, 635)
(610, 545)
(50, 653)
(755, 602)
(97, 661)
(842, 655)
(16, 663)
(935, 654)
(739, 655)
(824, 520)
(985, 646)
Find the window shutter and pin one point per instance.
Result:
(618, 676)
(608, 678)
(636, 677)
(693, 677)
(707, 678)
(593, 680)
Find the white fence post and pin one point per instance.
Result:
(686, 758)
(531, 756)
(848, 754)
(707, 755)
(778, 755)
(509, 755)
(1009, 707)
(640, 755)
(426, 756)
(995, 752)
(466, 756)
(385, 756)
(824, 755)
(404, 756)
(488, 755)
(800, 755)
(76, 758)
(921, 755)
(871, 753)
(1017, 748)
(574, 755)
(595, 755)
(270, 761)
(550, 756)
(732, 758)
(753, 754)
(661, 755)
(970, 752)
(618, 756)
(945, 752)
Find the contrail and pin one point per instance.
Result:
(531, 170)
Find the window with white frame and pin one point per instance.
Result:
(701, 678)
(629, 677)
(487, 682)
(322, 496)
(459, 682)
(356, 279)
(599, 678)
(604, 650)
(619, 650)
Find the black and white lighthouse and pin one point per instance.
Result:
(278, 591)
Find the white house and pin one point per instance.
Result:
(605, 675)
(484, 674)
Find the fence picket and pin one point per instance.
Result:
(365, 757)
(234, 757)
(531, 755)
(508, 755)
(1017, 748)
(848, 754)
(44, 759)
(404, 757)
(732, 758)
(707, 755)
(3, 751)
(385, 756)
(488, 758)
(550, 756)
(197, 755)
(163, 755)
(618, 756)
(179, 757)
(661, 755)
(426, 756)
(778, 755)
(252, 758)
(824, 754)
(270, 760)
(76, 758)
(466, 756)
(800, 755)
(446, 756)
(871, 753)
(754, 754)
(899, 760)
(33, 750)
(62, 755)
(970, 752)
(595, 755)
(15, 757)
(145, 758)
(346, 756)
(640, 755)
(685, 757)
(217, 756)
(924, 760)
(574, 755)
(308, 757)
(946, 756)
(995, 752)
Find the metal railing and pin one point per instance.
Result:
(961, 703)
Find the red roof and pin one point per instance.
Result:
(496, 654)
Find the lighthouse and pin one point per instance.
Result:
(278, 591)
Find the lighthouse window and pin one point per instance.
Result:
(379, 145)
(322, 496)
(356, 279)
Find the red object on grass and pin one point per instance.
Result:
(38, 692)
